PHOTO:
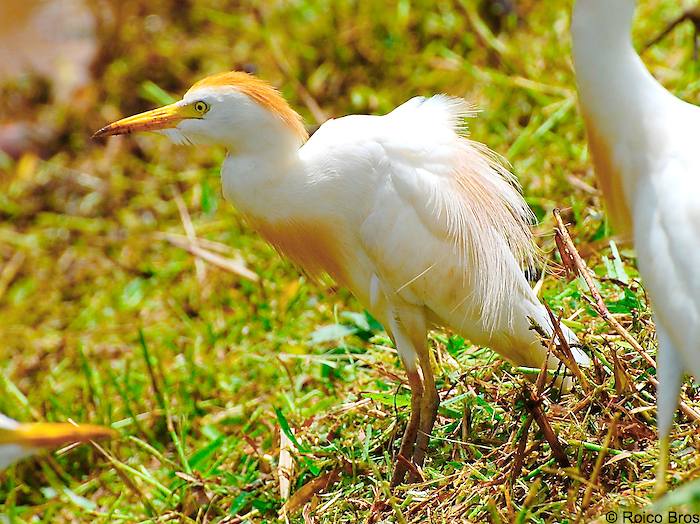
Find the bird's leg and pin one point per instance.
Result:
(409, 436)
(661, 466)
(405, 323)
(410, 333)
(429, 405)
(669, 372)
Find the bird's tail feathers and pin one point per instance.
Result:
(438, 112)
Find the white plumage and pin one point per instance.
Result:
(427, 181)
(10, 453)
(644, 144)
(424, 226)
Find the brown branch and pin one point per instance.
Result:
(533, 402)
(693, 15)
(520, 454)
(569, 253)
(566, 352)
(593, 483)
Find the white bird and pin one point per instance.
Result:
(643, 141)
(18, 441)
(424, 226)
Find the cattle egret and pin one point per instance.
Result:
(643, 143)
(18, 440)
(424, 226)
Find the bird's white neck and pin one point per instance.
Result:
(263, 151)
(254, 178)
(276, 144)
(604, 22)
(615, 88)
(621, 103)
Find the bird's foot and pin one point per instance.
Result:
(428, 413)
(408, 442)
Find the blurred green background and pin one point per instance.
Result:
(104, 317)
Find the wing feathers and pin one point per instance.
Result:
(463, 192)
(489, 221)
(441, 111)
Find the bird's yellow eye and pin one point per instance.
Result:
(201, 107)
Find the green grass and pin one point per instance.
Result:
(103, 320)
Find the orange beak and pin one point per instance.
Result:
(165, 117)
(48, 435)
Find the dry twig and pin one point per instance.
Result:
(229, 264)
(593, 483)
(199, 266)
(569, 254)
(9, 271)
(566, 352)
(692, 14)
(285, 465)
(534, 404)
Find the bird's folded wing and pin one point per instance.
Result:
(449, 205)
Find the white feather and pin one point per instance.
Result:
(651, 140)
(436, 217)
(11, 453)
(423, 225)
